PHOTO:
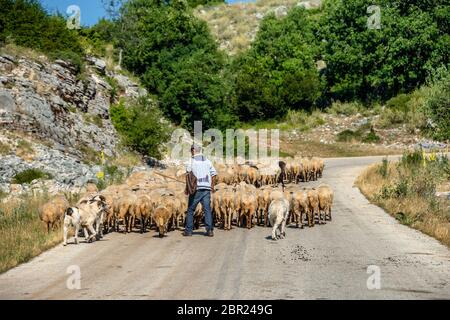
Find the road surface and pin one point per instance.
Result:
(325, 262)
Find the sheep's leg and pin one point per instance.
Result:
(310, 218)
(65, 235)
(274, 231)
(301, 218)
(329, 213)
(283, 229)
(93, 235)
(143, 222)
(86, 234)
(75, 237)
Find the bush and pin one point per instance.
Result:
(278, 72)
(348, 136)
(437, 107)
(405, 109)
(345, 108)
(141, 125)
(25, 23)
(176, 57)
(371, 137)
(377, 64)
(29, 175)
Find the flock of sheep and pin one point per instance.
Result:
(245, 196)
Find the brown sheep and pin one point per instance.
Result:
(325, 200)
(313, 206)
(162, 216)
(51, 213)
(262, 213)
(143, 210)
(252, 176)
(247, 208)
(223, 206)
(126, 209)
(300, 206)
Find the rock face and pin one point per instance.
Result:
(64, 117)
(68, 173)
(52, 102)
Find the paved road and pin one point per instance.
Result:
(325, 262)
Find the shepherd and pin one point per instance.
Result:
(200, 180)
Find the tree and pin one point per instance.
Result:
(141, 125)
(25, 23)
(377, 64)
(176, 57)
(279, 71)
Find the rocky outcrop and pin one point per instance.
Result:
(62, 116)
(51, 101)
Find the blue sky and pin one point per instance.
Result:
(91, 10)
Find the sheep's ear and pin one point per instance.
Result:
(102, 198)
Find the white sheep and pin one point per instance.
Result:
(278, 214)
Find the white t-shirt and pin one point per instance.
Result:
(203, 170)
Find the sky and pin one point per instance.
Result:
(91, 10)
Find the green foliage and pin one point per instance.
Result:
(97, 37)
(278, 73)
(25, 23)
(383, 170)
(371, 137)
(195, 3)
(141, 125)
(345, 108)
(176, 57)
(372, 64)
(418, 176)
(437, 107)
(29, 175)
(348, 136)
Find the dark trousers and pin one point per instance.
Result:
(203, 196)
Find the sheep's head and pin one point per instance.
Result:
(101, 202)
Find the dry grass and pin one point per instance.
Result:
(22, 234)
(17, 51)
(235, 25)
(426, 213)
(334, 150)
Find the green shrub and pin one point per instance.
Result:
(73, 58)
(383, 170)
(437, 107)
(377, 64)
(371, 137)
(278, 72)
(27, 24)
(345, 108)
(29, 175)
(142, 126)
(348, 136)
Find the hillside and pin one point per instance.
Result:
(55, 120)
(235, 25)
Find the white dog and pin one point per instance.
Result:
(85, 215)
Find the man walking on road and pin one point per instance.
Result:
(204, 172)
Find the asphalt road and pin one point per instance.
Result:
(325, 262)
